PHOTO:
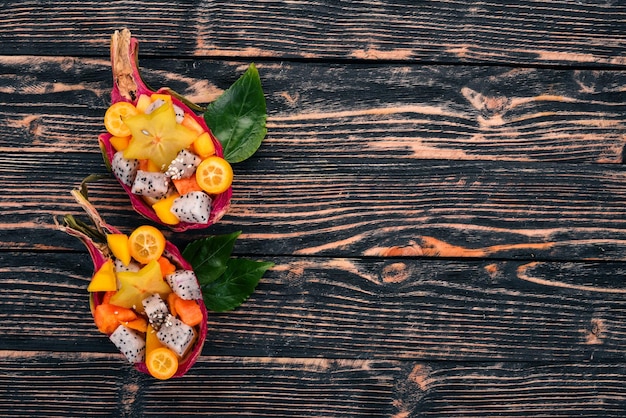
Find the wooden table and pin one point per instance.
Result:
(441, 190)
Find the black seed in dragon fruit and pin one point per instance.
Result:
(150, 184)
(156, 310)
(176, 335)
(130, 343)
(180, 114)
(193, 207)
(183, 166)
(185, 284)
(124, 169)
(154, 106)
(132, 266)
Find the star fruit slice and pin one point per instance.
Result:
(135, 286)
(157, 136)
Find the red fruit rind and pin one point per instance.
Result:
(128, 86)
(100, 254)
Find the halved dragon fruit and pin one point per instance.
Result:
(94, 238)
(129, 87)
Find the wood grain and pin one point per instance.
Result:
(441, 191)
(335, 307)
(359, 111)
(353, 207)
(101, 385)
(567, 32)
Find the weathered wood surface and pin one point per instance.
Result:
(345, 110)
(441, 189)
(347, 207)
(515, 32)
(381, 308)
(228, 386)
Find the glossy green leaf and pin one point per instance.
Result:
(237, 118)
(209, 256)
(235, 285)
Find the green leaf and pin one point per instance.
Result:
(209, 256)
(237, 118)
(235, 285)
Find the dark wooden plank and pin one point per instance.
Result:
(55, 384)
(341, 308)
(352, 207)
(359, 111)
(513, 390)
(522, 32)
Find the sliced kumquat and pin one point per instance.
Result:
(214, 175)
(162, 363)
(114, 118)
(146, 243)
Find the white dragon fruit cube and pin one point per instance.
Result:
(150, 184)
(130, 343)
(180, 113)
(183, 166)
(185, 284)
(124, 169)
(176, 335)
(155, 309)
(132, 266)
(192, 207)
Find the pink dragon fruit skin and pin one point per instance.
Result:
(99, 255)
(127, 87)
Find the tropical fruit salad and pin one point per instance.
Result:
(143, 295)
(162, 153)
(167, 158)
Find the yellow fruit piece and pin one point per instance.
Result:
(191, 123)
(214, 175)
(203, 145)
(146, 243)
(148, 165)
(114, 118)
(104, 279)
(165, 97)
(162, 363)
(162, 210)
(152, 342)
(157, 136)
(140, 324)
(118, 244)
(135, 286)
(143, 102)
(120, 143)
